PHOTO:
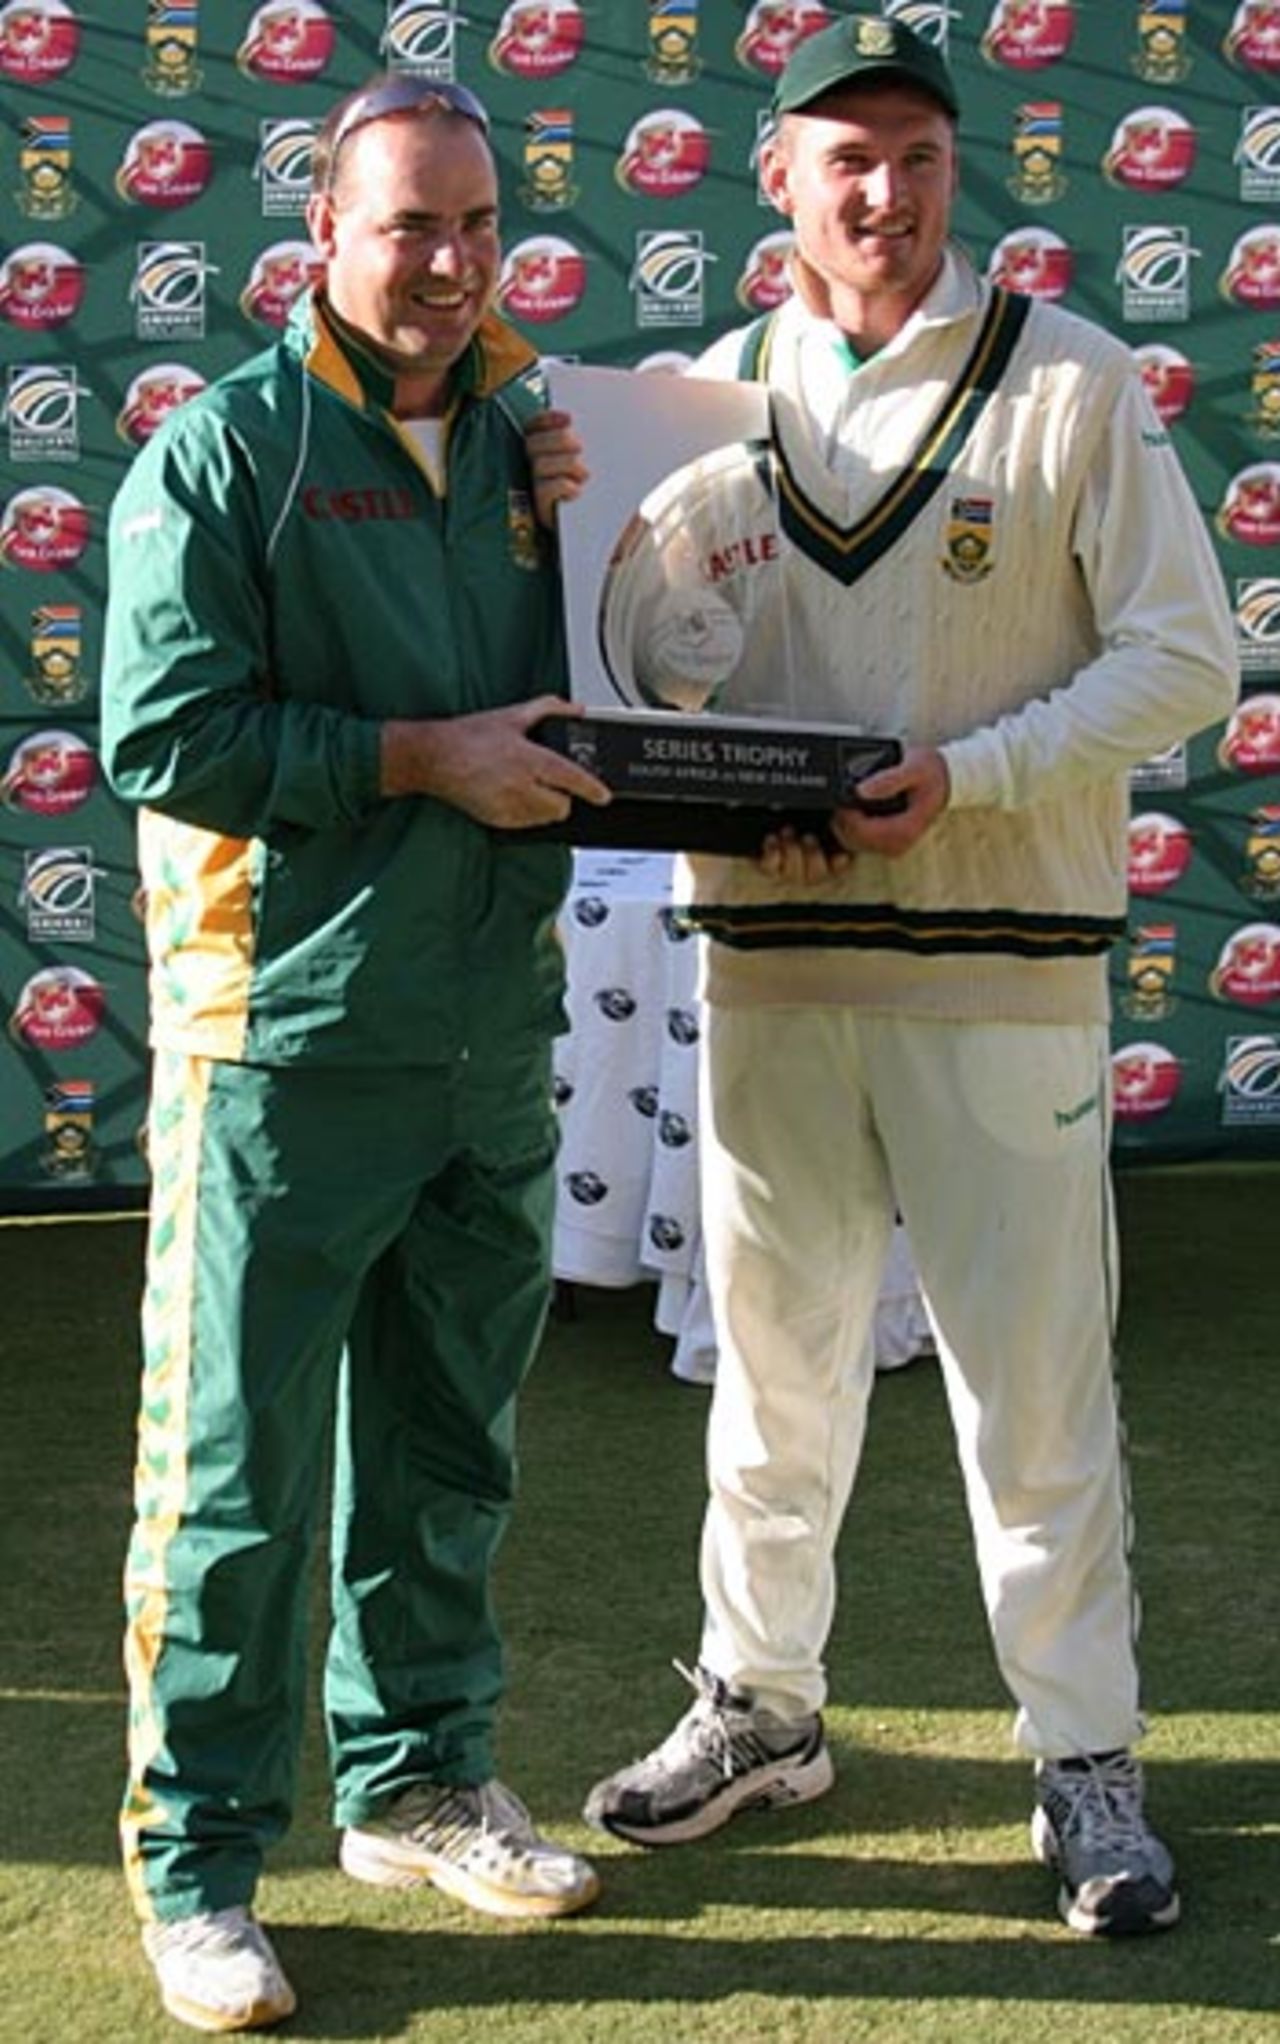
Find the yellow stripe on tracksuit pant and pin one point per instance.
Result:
(368, 1244)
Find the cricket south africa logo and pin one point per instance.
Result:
(420, 37)
(42, 411)
(1257, 153)
(1154, 273)
(286, 150)
(168, 292)
(668, 277)
(58, 894)
(1251, 1081)
(1257, 615)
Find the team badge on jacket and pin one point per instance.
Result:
(522, 529)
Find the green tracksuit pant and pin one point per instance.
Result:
(356, 1250)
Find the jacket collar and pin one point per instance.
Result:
(333, 354)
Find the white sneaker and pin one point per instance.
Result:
(477, 1844)
(1089, 1824)
(726, 1754)
(217, 1971)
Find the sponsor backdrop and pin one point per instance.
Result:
(1124, 158)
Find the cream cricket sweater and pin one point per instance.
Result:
(1052, 615)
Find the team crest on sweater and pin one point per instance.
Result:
(967, 542)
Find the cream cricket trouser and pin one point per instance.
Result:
(992, 1141)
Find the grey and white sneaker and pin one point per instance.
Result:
(1117, 1877)
(477, 1844)
(217, 1971)
(726, 1754)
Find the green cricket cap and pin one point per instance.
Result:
(862, 47)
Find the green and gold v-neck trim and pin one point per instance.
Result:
(846, 552)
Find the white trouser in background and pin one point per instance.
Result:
(992, 1140)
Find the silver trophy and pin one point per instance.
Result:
(679, 631)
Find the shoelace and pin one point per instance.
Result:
(1105, 1804)
(450, 1821)
(706, 1727)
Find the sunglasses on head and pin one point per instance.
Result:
(404, 96)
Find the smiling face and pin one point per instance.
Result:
(409, 235)
(867, 181)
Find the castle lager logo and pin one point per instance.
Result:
(42, 410)
(1162, 57)
(1248, 967)
(1152, 148)
(1145, 1078)
(41, 286)
(152, 395)
(666, 153)
(1169, 379)
(543, 279)
(43, 529)
(39, 40)
(1252, 273)
(167, 163)
(49, 773)
(279, 276)
(673, 42)
(172, 38)
(548, 160)
(1250, 511)
(421, 36)
(58, 1009)
(1159, 852)
(538, 38)
(774, 29)
(44, 167)
(766, 275)
(1253, 38)
(1033, 261)
(1251, 742)
(287, 42)
(1027, 35)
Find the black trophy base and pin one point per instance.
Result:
(707, 784)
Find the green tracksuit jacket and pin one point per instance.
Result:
(351, 1136)
(284, 574)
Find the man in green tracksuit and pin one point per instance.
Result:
(332, 627)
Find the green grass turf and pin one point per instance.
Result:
(902, 1907)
